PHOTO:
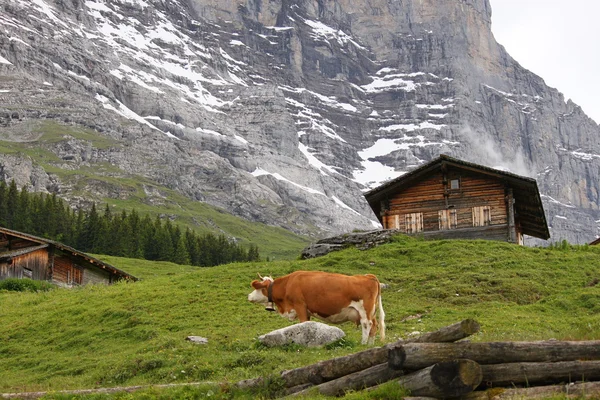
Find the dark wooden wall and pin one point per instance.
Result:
(71, 270)
(428, 197)
(65, 271)
(33, 265)
(14, 243)
(96, 275)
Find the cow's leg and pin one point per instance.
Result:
(365, 321)
(373, 330)
(366, 325)
(302, 313)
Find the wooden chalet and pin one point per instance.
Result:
(26, 256)
(451, 198)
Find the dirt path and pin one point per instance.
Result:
(37, 395)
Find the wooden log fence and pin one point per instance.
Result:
(437, 365)
(445, 379)
(413, 356)
(327, 370)
(541, 372)
(371, 376)
(576, 390)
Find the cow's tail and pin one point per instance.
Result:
(381, 315)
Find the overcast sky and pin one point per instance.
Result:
(558, 40)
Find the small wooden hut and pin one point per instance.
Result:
(451, 198)
(27, 256)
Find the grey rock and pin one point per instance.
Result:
(314, 250)
(274, 110)
(309, 333)
(197, 339)
(360, 240)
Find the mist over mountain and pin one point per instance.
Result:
(282, 112)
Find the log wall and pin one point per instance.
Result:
(33, 265)
(492, 232)
(95, 275)
(427, 199)
(65, 272)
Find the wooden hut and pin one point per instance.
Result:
(451, 198)
(27, 256)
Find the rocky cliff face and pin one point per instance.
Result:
(281, 111)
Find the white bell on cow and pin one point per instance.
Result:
(269, 306)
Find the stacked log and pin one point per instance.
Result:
(508, 364)
(298, 379)
(438, 365)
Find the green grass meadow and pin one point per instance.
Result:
(134, 333)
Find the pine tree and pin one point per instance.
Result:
(161, 246)
(62, 219)
(147, 235)
(47, 218)
(253, 254)
(22, 218)
(137, 234)
(78, 230)
(66, 228)
(192, 246)
(12, 204)
(180, 253)
(106, 243)
(3, 204)
(91, 229)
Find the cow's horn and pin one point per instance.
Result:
(259, 277)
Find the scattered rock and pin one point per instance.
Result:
(319, 249)
(361, 240)
(309, 333)
(197, 339)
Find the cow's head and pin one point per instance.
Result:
(260, 294)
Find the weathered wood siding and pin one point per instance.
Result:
(95, 275)
(15, 243)
(71, 270)
(432, 195)
(33, 265)
(65, 271)
(496, 232)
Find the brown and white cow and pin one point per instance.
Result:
(333, 298)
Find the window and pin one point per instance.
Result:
(447, 219)
(413, 222)
(454, 184)
(392, 221)
(27, 273)
(74, 275)
(482, 216)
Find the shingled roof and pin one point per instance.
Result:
(528, 203)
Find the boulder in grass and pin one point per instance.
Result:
(309, 333)
(197, 339)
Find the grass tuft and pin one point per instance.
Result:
(25, 285)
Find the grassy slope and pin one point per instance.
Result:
(273, 242)
(130, 334)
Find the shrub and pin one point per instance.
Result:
(25, 285)
(342, 343)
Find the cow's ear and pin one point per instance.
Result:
(259, 284)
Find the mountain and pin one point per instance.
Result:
(282, 112)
